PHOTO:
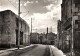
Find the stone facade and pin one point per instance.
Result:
(42, 38)
(59, 32)
(70, 25)
(10, 26)
(51, 38)
(34, 38)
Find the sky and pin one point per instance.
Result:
(44, 13)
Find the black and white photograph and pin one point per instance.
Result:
(39, 28)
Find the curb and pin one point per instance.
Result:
(17, 52)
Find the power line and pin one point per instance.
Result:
(25, 12)
(11, 3)
(25, 7)
(16, 8)
(25, 15)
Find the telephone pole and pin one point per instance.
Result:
(46, 36)
(31, 31)
(51, 28)
(19, 9)
(72, 39)
(18, 24)
(31, 25)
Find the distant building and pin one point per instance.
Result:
(13, 30)
(42, 38)
(34, 38)
(51, 38)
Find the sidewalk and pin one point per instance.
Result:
(7, 52)
(55, 52)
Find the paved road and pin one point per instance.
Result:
(38, 51)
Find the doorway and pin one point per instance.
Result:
(16, 37)
(21, 38)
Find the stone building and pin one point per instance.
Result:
(70, 26)
(42, 38)
(59, 32)
(34, 38)
(13, 30)
(51, 38)
(37, 38)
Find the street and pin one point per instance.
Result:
(38, 51)
(39, 27)
(33, 50)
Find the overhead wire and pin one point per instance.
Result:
(25, 12)
(11, 3)
(17, 8)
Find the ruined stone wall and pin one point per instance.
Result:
(8, 28)
(23, 27)
(70, 13)
(5, 27)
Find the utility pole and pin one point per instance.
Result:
(31, 25)
(18, 24)
(19, 9)
(46, 35)
(47, 30)
(72, 51)
(51, 28)
(31, 31)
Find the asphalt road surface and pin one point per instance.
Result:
(38, 51)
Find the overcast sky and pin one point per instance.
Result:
(44, 13)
